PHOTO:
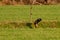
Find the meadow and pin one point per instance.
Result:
(14, 13)
(49, 28)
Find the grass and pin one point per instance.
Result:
(30, 34)
(51, 12)
(21, 13)
(17, 16)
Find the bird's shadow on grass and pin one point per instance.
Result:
(29, 25)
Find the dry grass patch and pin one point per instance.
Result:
(16, 24)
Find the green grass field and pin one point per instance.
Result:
(30, 34)
(21, 13)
